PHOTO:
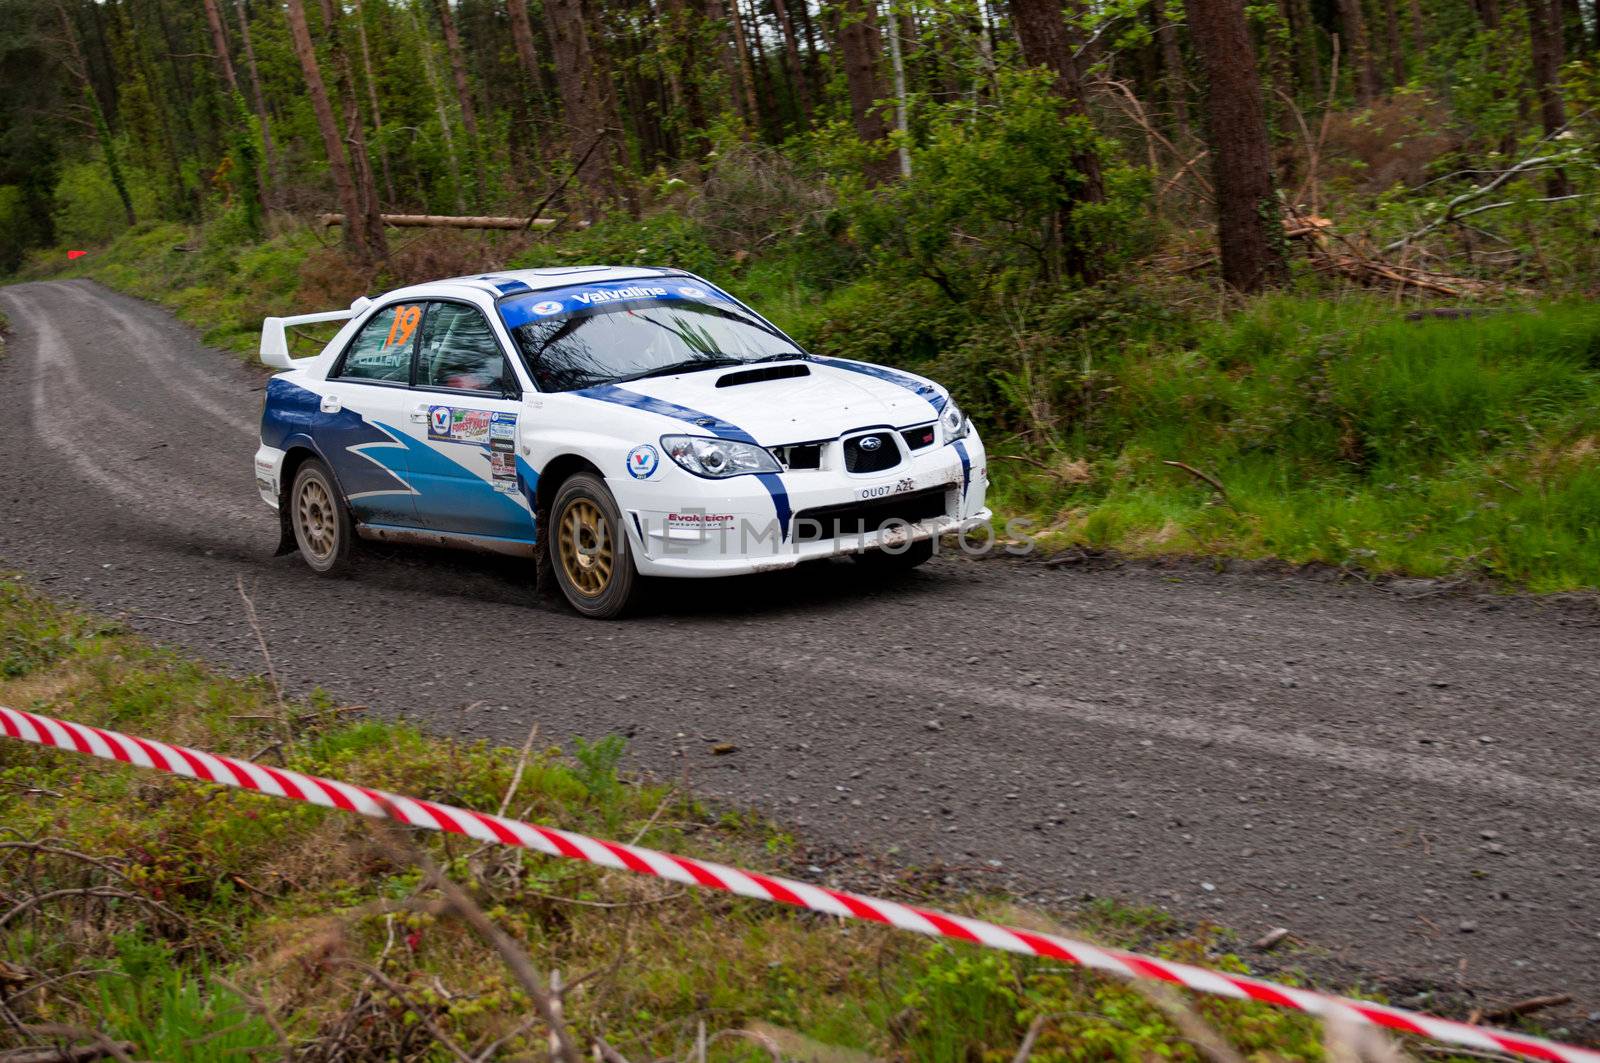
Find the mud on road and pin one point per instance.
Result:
(1407, 782)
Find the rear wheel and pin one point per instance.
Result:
(589, 549)
(915, 554)
(321, 521)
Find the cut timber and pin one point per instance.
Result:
(447, 221)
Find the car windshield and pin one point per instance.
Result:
(643, 338)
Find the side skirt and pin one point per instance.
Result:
(486, 544)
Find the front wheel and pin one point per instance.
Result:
(322, 527)
(589, 549)
(917, 553)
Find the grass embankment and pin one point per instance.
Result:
(1342, 432)
(218, 921)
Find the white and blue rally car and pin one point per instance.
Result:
(610, 422)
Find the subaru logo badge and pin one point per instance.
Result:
(871, 442)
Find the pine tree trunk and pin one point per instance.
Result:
(1308, 56)
(469, 113)
(372, 101)
(861, 50)
(219, 44)
(1354, 26)
(355, 236)
(1042, 32)
(587, 98)
(791, 56)
(1173, 79)
(1419, 33)
(727, 59)
(1249, 233)
(80, 70)
(259, 99)
(532, 98)
(1544, 30)
(747, 72)
(1397, 52)
(897, 66)
(354, 131)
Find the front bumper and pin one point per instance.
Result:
(269, 473)
(687, 526)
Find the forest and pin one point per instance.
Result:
(1338, 255)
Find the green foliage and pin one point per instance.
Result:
(994, 201)
(174, 1012)
(597, 764)
(88, 208)
(664, 239)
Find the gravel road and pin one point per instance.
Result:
(1406, 781)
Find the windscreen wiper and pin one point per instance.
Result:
(685, 366)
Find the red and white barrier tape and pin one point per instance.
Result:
(146, 753)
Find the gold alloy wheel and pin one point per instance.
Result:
(319, 523)
(585, 547)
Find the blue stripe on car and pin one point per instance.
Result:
(892, 376)
(715, 425)
(966, 469)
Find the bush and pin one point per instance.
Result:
(88, 209)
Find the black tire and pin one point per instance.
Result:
(321, 521)
(917, 553)
(589, 549)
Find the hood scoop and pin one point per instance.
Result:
(766, 372)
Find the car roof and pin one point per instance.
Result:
(517, 281)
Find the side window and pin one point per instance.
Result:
(382, 349)
(459, 351)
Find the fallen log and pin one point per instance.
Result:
(446, 221)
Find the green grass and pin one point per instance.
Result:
(275, 911)
(1347, 435)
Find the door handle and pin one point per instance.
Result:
(331, 404)
(419, 414)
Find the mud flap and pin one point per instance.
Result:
(286, 541)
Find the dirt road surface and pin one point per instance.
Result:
(1405, 780)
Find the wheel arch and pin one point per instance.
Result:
(297, 451)
(557, 471)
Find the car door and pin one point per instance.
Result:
(467, 402)
(365, 406)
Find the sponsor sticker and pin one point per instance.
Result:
(643, 461)
(690, 292)
(452, 425)
(699, 520)
(613, 295)
(503, 472)
(548, 307)
(503, 433)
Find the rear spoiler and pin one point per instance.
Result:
(275, 339)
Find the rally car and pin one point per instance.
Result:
(610, 423)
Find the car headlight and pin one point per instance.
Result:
(718, 458)
(953, 421)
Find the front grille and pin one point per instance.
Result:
(854, 519)
(861, 455)
(799, 456)
(917, 438)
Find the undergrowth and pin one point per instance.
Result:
(201, 922)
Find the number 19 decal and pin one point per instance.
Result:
(405, 323)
